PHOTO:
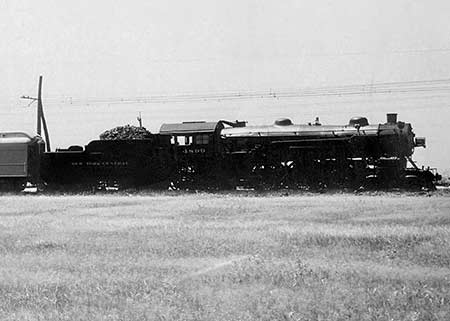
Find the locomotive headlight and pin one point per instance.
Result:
(419, 142)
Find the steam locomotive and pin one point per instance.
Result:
(229, 155)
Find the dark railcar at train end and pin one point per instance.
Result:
(20, 160)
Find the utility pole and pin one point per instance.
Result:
(41, 113)
(39, 107)
(41, 122)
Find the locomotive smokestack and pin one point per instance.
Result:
(391, 118)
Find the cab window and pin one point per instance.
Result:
(202, 139)
(184, 140)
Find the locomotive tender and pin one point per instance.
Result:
(109, 163)
(229, 155)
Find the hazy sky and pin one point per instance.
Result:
(87, 50)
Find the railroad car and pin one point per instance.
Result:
(20, 160)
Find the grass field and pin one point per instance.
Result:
(225, 257)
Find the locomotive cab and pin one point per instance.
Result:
(198, 150)
(196, 137)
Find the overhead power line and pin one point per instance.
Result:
(406, 87)
(426, 102)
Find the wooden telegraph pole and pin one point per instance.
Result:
(39, 108)
(41, 117)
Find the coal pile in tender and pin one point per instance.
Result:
(126, 132)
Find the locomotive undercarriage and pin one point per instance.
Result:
(317, 174)
(199, 173)
(328, 167)
(308, 170)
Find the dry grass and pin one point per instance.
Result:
(225, 257)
